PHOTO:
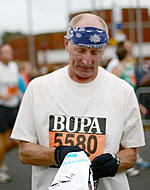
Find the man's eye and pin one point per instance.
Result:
(95, 52)
(80, 50)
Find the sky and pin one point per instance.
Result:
(50, 15)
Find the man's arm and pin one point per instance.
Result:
(34, 154)
(127, 158)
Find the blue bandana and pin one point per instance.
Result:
(91, 37)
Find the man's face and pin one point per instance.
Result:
(83, 63)
(6, 53)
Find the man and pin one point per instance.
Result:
(75, 106)
(9, 104)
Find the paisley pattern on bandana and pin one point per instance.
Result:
(88, 36)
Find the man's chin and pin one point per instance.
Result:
(84, 75)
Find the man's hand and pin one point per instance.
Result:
(105, 165)
(62, 151)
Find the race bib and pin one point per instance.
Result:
(12, 90)
(86, 132)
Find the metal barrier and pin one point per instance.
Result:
(143, 95)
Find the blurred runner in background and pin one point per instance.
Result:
(24, 73)
(9, 105)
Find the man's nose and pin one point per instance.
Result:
(87, 59)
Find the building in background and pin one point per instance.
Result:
(49, 48)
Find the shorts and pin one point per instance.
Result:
(7, 117)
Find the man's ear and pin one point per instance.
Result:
(66, 43)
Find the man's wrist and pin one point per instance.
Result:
(117, 159)
(52, 160)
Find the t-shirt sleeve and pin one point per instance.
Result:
(24, 128)
(133, 134)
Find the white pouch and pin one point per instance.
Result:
(73, 173)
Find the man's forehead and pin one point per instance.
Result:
(88, 48)
(89, 21)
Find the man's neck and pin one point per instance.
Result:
(79, 79)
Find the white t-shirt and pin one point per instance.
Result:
(106, 97)
(9, 82)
